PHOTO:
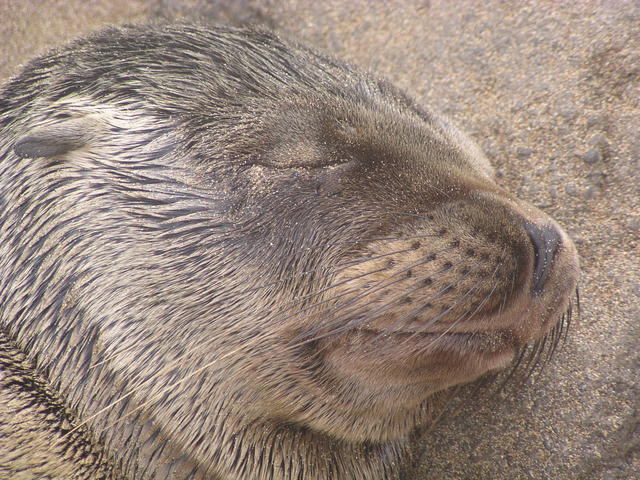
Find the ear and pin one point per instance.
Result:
(56, 139)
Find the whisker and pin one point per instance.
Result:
(366, 293)
(555, 336)
(532, 360)
(282, 280)
(166, 389)
(346, 264)
(451, 307)
(376, 312)
(521, 354)
(123, 350)
(427, 301)
(416, 286)
(452, 393)
(461, 318)
(346, 326)
(170, 365)
(422, 216)
(165, 369)
(380, 239)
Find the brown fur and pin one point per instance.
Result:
(235, 257)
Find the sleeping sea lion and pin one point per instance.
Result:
(232, 257)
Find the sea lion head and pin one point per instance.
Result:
(260, 248)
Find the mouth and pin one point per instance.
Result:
(443, 356)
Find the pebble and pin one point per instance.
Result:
(490, 148)
(567, 109)
(599, 140)
(593, 155)
(524, 152)
(591, 192)
(598, 120)
(571, 189)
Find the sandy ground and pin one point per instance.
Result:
(551, 91)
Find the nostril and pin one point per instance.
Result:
(546, 240)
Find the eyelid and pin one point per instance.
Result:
(301, 154)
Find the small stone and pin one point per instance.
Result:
(567, 109)
(571, 189)
(599, 140)
(490, 148)
(524, 152)
(591, 192)
(594, 155)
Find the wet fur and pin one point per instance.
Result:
(239, 258)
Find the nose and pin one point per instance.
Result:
(546, 240)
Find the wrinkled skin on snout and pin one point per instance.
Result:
(237, 258)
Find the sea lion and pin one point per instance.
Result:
(234, 257)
